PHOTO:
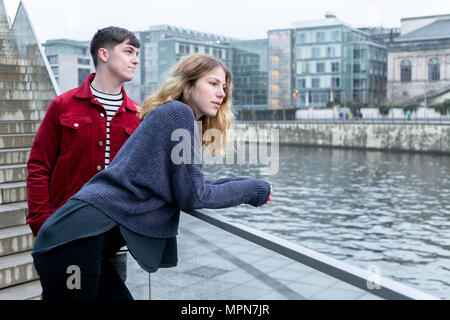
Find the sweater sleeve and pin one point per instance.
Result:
(225, 180)
(192, 191)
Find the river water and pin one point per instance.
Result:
(383, 210)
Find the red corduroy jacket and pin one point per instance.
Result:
(69, 148)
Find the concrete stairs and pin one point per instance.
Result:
(25, 92)
(433, 94)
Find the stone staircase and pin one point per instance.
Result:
(25, 92)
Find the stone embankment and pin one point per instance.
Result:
(414, 137)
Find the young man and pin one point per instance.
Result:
(84, 128)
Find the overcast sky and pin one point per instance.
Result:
(242, 19)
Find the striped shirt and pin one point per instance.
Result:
(111, 103)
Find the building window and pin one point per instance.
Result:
(316, 52)
(82, 74)
(335, 82)
(50, 50)
(195, 49)
(55, 71)
(299, 53)
(331, 52)
(405, 71)
(85, 62)
(356, 68)
(335, 35)
(305, 68)
(434, 70)
(81, 51)
(320, 36)
(320, 67)
(315, 83)
(206, 50)
(301, 83)
(52, 59)
(335, 67)
(301, 38)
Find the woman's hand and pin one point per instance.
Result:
(270, 196)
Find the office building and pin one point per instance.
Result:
(70, 61)
(324, 62)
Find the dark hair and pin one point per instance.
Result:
(110, 37)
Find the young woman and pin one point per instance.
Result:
(137, 200)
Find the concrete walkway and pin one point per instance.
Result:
(216, 265)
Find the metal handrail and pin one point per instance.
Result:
(368, 281)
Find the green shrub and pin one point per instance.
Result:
(443, 107)
(384, 109)
(410, 107)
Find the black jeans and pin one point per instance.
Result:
(82, 270)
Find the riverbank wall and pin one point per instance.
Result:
(413, 137)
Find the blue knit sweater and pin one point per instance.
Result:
(144, 190)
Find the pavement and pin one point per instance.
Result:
(216, 265)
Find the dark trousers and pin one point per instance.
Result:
(82, 270)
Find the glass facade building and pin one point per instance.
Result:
(250, 77)
(281, 68)
(163, 46)
(330, 63)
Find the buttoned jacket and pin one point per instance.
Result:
(69, 148)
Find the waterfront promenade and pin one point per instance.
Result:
(216, 265)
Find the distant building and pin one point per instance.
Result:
(418, 61)
(281, 68)
(163, 46)
(70, 61)
(250, 76)
(380, 34)
(325, 61)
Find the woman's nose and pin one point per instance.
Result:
(221, 92)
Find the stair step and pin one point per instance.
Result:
(12, 141)
(9, 114)
(14, 61)
(13, 214)
(21, 85)
(14, 156)
(23, 104)
(13, 192)
(14, 69)
(15, 85)
(6, 94)
(19, 127)
(25, 291)
(13, 173)
(16, 239)
(16, 269)
(13, 77)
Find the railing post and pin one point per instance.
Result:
(149, 286)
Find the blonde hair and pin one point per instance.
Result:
(185, 74)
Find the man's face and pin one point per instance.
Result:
(123, 60)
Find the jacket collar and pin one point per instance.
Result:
(84, 92)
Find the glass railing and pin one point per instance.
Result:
(221, 260)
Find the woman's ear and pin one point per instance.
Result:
(187, 93)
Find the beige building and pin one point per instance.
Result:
(419, 61)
